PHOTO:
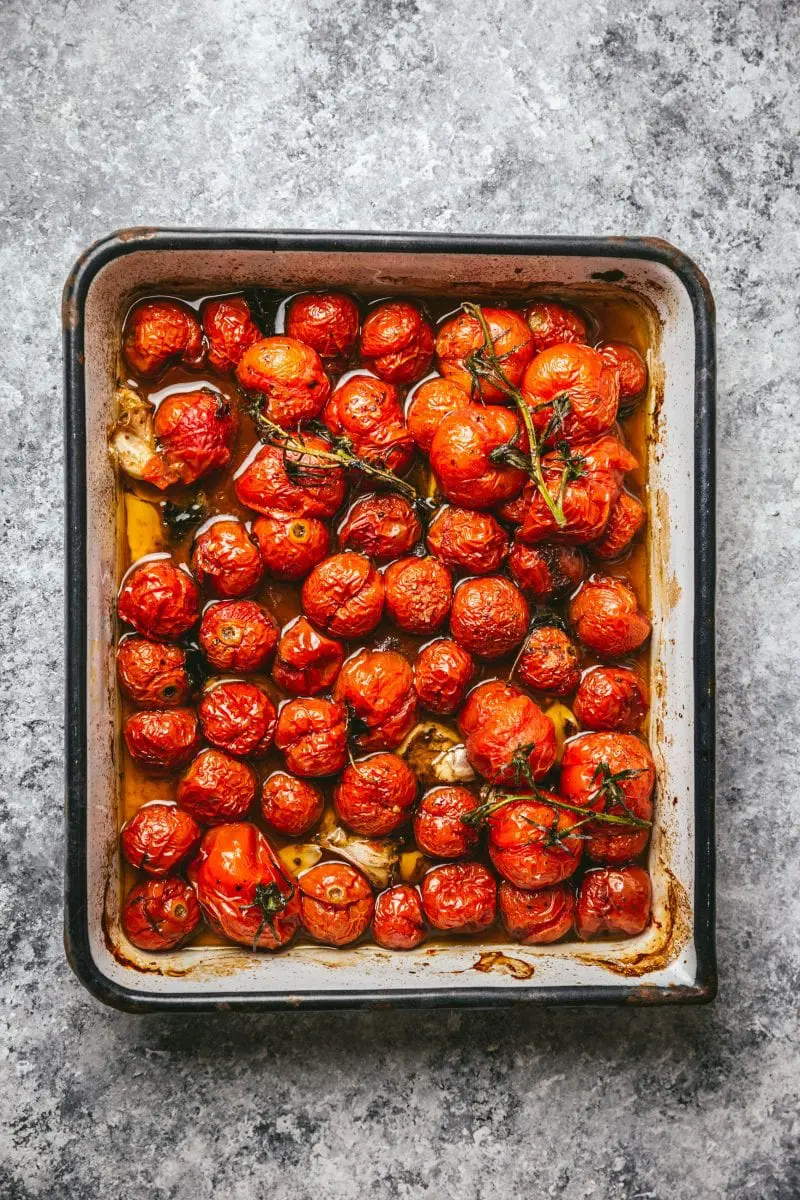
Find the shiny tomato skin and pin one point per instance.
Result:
(382, 526)
(553, 324)
(216, 787)
(460, 897)
(162, 740)
(484, 701)
(399, 922)
(611, 698)
(429, 404)
(235, 861)
(158, 332)
(237, 635)
(160, 914)
(579, 372)
(461, 457)
(159, 600)
(375, 795)
(549, 661)
(336, 903)
(397, 342)
(195, 432)
(442, 673)
(606, 617)
(507, 725)
(378, 688)
(314, 490)
(587, 501)
(613, 901)
(518, 843)
(312, 736)
(627, 517)
(290, 805)
(603, 845)
(629, 365)
(461, 336)
(537, 918)
(545, 571)
(290, 377)
(306, 662)
(326, 321)
(158, 837)
(226, 560)
(238, 717)
(152, 674)
(229, 329)
(438, 828)
(344, 595)
(419, 592)
(468, 541)
(367, 411)
(582, 771)
(291, 546)
(489, 616)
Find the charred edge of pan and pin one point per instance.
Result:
(675, 933)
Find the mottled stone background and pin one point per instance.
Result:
(665, 118)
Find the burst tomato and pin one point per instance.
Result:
(153, 674)
(612, 901)
(397, 341)
(158, 332)
(461, 459)
(545, 571)
(461, 337)
(589, 479)
(571, 392)
(611, 698)
(306, 662)
(276, 480)
(553, 324)
(608, 772)
(438, 828)
(229, 329)
(460, 897)
(398, 922)
(164, 740)
(160, 914)
(195, 432)
(606, 616)
(158, 599)
(429, 404)
(419, 592)
(216, 788)
(237, 635)
(238, 717)
(225, 559)
(549, 661)
(291, 546)
(158, 837)
(326, 321)
(502, 723)
(468, 541)
(375, 795)
(383, 526)
(536, 918)
(442, 674)
(626, 518)
(290, 805)
(378, 688)
(629, 365)
(344, 595)
(312, 736)
(489, 616)
(367, 411)
(531, 844)
(290, 378)
(336, 903)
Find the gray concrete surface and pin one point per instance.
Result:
(661, 118)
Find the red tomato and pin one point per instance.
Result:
(237, 635)
(306, 662)
(225, 560)
(460, 897)
(336, 903)
(429, 404)
(611, 698)
(375, 795)
(549, 661)
(158, 332)
(159, 599)
(472, 542)
(290, 377)
(326, 321)
(489, 616)
(613, 902)
(310, 487)
(242, 888)
(397, 342)
(195, 432)
(509, 724)
(291, 546)
(312, 736)
(383, 526)
(160, 914)
(438, 828)
(483, 701)
(399, 923)
(606, 846)
(630, 367)
(461, 457)
(531, 844)
(217, 788)
(158, 836)
(587, 389)
(442, 674)
(537, 918)
(238, 717)
(344, 595)
(626, 518)
(553, 324)
(229, 330)
(545, 571)
(609, 772)
(462, 336)
(290, 805)
(164, 740)
(419, 592)
(367, 411)
(378, 688)
(151, 673)
(606, 616)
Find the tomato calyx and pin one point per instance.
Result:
(180, 518)
(263, 304)
(269, 900)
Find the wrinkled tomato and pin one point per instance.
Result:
(344, 595)
(195, 432)
(606, 616)
(613, 901)
(377, 686)
(589, 479)
(312, 736)
(461, 456)
(489, 616)
(438, 828)
(398, 922)
(545, 571)
(442, 673)
(629, 365)
(290, 805)
(549, 661)
(158, 837)
(429, 404)
(375, 795)
(504, 727)
(383, 526)
(225, 559)
(609, 772)
(483, 701)
(290, 378)
(626, 518)
(163, 740)
(159, 599)
(397, 341)
(237, 635)
(277, 480)
(326, 321)
(468, 541)
(571, 392)
(229, 329)
(336, 903)
(238, 717)
(306, 662)
(158, 332)
(160, 914)
(460, 897)
(536, 918)
(153, 674)
(611, 698)
(461, 337)
(553, 324)
(291, 546)
(419, 592)
(367, 411)
(531, 844)
(216, 788)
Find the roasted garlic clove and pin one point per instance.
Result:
(376, 858)
(436, 754)
(132, 441)
(565, 723)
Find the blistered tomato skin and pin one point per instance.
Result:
(195, 432)
(461, 457)
(503, 722)
(489, 616)
(239, 718)
(336, 903)
(442, 673)
(537, 918)
(243, 892)
(312, 736)
(290, 805)
(291, 546)
(158, 837)
(377, 686)
(152, 674)
(326, 321)
(549, 661)
(586, 500)
(459, 897)
(626, 518)
(162, 740)
(603, 845)
(397, 342)
(430, 403)
(237, 635)
(229, 329)
(158, 332)
(579, 373)
(613, 901)
(611, 698)
(264, 484)
(375, 795)
(629, 365)
(306, 662)
(438, 828)
(468, 541)
(462, 335)
(530, 843)
(160, 914)
(290, 378)
(546, 571)
(606, 616)
(382, 526)
(216, 788)
(368, 412)
(553, 324)
(159, 600)
(399, 922)
(590, 758)
(484, 701)
(419, 592)
(344, 595)
(226, 561)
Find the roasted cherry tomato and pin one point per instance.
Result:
(160, 914)
(158, 599)
(606, 616)
(630, 367)
(291, 546)
(442, 673)
(367, 411)
(507, 730)
(545, 571)
(377, 686)
(483, 701)
(195, 432)
(572, 393)
(461, 456)
(229, 329)
(429, 404)
(237, 635)
(549, 661)
(375, 795)
(238, 717)
(460, 897)
(158, 332)
(344, 595)
(311, 487)
(419, 592)
(158, 837)
(336, 903)
(489, 616)
(532, 844)
(588, 477)
(326, 321)
(460, 337)
(626, 518)
(611, 698)
(468, 541)
(242, 889)
(438, 828)
(609, 772)
(312, 736)
(164, 740)
(225, 559)
(306, 662)
(216, 788)
(399, 923)
(152, 674)
(381, 525)
(290, 805)
(397, 341)
(553, 324)
(536, 918)
(604, 845)
(290, 377)
(613, 902)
